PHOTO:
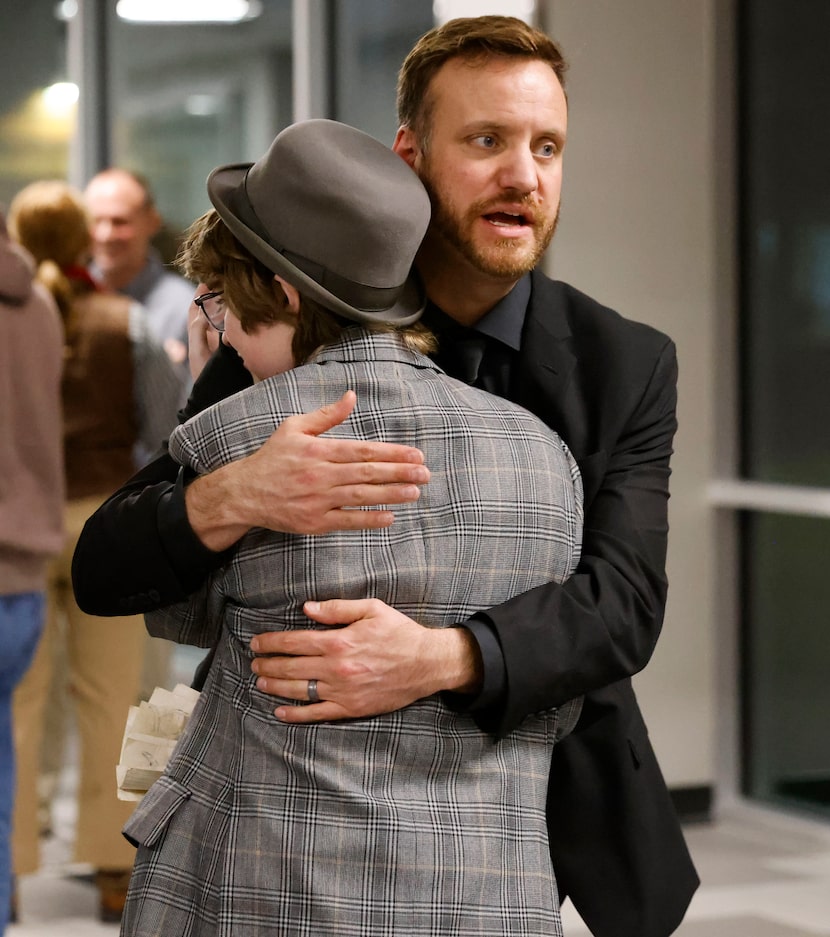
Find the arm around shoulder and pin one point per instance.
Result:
(138, 552)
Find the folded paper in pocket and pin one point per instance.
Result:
(152, 731)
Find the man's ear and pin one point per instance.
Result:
(287, 294)
(406, 146)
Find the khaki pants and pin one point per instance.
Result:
(102, 660)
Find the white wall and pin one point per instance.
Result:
(639, 232)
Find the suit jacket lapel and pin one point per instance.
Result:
(549, 384)
(546, 361)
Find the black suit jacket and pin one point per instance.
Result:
(608, 386)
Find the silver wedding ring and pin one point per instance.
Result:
(313, 695)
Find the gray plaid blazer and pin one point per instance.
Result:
(414, 822)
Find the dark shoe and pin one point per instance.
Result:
(112, 893)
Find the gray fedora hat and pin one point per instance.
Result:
(335, 213)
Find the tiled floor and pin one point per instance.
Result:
(764, 875)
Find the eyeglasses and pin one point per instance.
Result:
(213, 309)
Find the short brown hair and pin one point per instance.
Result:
(475, 39)
(210, 254)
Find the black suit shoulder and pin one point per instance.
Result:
(591, 373)
(596, 329)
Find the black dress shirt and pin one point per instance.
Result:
(486, 353)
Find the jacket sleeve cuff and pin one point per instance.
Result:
(494, 682)
(189, 558)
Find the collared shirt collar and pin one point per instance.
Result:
(139, 287)
(506, 319)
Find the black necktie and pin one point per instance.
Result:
(470, 356)
(467, 354)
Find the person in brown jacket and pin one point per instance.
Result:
(118, 388)
(31, 492)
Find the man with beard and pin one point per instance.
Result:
(483, 118)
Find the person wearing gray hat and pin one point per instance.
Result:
(328, 210)
(331, 220)
(410, 821)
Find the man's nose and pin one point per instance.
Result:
(518, 171)
(102, 230)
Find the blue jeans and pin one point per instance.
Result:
(21, 623)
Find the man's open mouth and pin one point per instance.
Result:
(507, 219)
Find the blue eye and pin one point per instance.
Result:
(486, 140)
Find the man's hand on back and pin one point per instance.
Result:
(371, 660)
(300, 482)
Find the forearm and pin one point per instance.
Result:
(137, 552)
(217, 507)
(560, 641)
(485, 692)
(456, 663)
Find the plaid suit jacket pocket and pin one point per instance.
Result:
(154, 812)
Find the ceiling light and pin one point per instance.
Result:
(67, 10)
(187, 11)
(59, 98)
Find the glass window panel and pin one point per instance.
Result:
(786, 275)
(189, 97)
(372, 38)
(35, 132)
(787, 656)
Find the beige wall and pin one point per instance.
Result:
(639, 232)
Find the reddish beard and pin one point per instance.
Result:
(504, 257)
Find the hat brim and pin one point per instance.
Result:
(226, 190)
